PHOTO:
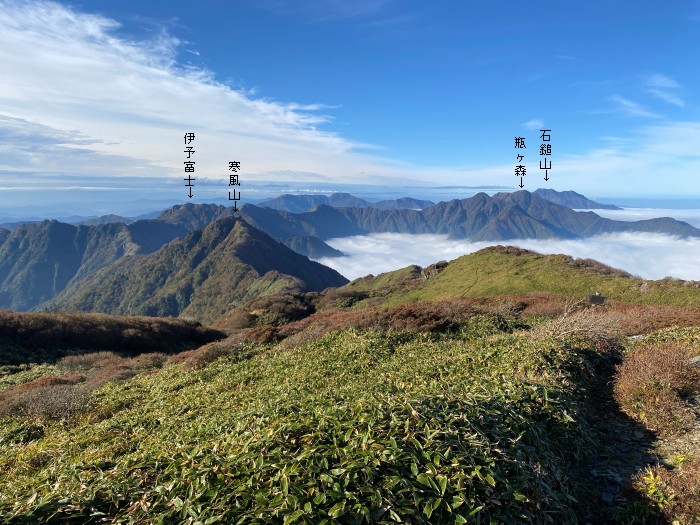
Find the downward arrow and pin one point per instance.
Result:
(235, 206)
(546, 175)
(521, 182)
(190, 193)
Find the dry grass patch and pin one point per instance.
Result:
(579, 320)
(653, 382)
(57, 397)
(49, 397)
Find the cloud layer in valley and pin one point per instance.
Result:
(692, 217)
(650, 256)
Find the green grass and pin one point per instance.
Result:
(489, 272)
(352, 428)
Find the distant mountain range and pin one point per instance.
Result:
(505, 216)
(573, 200)
(303, 203)
(82, 221)
(169, 265)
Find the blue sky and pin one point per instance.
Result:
(95, 97)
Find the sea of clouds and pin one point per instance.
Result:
(650, 256)
(692, 216)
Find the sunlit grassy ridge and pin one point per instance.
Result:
(508, 270)
(354, 427)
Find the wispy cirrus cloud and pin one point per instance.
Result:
(81, 90)
(637, 163)
(77, 97)
(631, 108)
(665, 88)
(533, 124)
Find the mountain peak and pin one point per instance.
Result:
(573, 200)
(204, 275)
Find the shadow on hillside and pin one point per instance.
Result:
(45, 338)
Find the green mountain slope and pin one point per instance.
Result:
(195, 216)
(203, 276)
(423, 413)
(281, 226)
(503, 270)
(37, 261)
(311, 247)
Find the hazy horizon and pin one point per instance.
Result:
(26, 206)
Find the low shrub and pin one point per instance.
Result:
(653, 382)
(673, 494)
(82, 362)
(148, 361)
(42, 398)
(36, 337)
(592, 323)
(203, 356)
(46, 402)
(110, 373)
(69, 379)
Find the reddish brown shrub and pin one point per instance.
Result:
(44, 336)
(674, 493)
(652, 383)
(42, 382)
(78, 362)
(642, 319)
(108, 374)
(148, 361)
(205, 356)
(48, 397)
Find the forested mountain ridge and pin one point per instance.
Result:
(203, 275)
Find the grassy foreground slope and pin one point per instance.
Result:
(509, 270)
(481, 425)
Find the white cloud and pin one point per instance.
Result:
(649, 256)
(665, 88)
(534, 124)
(692, 217)
(653, 157)
(68, 75)
(662, 82)
(631, 108)
(77, 98)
